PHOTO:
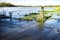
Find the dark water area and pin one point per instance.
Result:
(29, 30)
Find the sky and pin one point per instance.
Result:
(33, 2)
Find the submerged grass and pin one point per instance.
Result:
(29, 17)
(32, 16)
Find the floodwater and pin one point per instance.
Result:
(29, 30)
(18, 12)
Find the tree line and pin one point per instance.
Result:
(3, 4)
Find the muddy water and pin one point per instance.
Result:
(29, 30)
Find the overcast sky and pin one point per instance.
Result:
(33, 2)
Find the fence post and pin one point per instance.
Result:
(10, 16)
(41, 15)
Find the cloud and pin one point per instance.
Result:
(34, 2)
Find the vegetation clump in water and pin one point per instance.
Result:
(33, 16)
(30, 17)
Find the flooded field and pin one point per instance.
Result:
(29, 30)
(17, 29)
(29, 20)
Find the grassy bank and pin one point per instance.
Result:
(33, 16)
(29, 17)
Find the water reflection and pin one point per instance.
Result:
(32, 29)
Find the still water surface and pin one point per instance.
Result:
(21, 11)
(29, 30)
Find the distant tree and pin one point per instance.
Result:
(3, 4)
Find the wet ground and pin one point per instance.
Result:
(29, 30)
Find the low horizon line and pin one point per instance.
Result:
(35, 5)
